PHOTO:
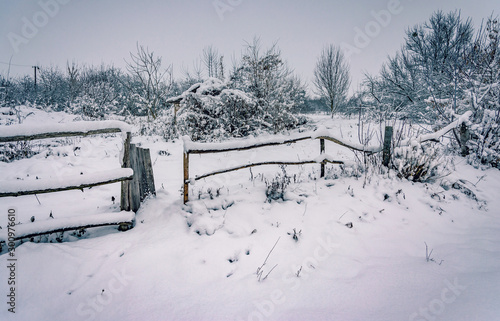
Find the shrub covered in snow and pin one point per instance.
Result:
(419, 162)
(484, 143)
(212, 111)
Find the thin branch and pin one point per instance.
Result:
(265, 163)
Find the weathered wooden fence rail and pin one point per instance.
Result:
(321, 134)
(136, 177)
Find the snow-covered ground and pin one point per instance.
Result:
(359, 251)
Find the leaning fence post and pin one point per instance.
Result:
(135, 183)
(125, 199)
(386, 158)
(148, 172)
(186, 177)
(322, 151)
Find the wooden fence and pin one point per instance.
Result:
(201, 148)
(136, 177)
(321, 134)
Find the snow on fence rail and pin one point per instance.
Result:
(20, 188)
(438, 134)
(81, 128)
(321, 133)
(136, 176)
(38, 228)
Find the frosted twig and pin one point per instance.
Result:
(259, 269)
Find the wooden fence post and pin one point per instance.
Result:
(186, 177)
(148, 172)
(464, 137)
(322, 151)
(386, 158)
(142, 184)
(134, 187)
(125, 199)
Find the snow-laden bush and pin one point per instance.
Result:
(420, 162)
(161, 126)
(200, 117)
(484, 143)
(240, 114)
(482, 131)
(266, 77)
(211, 111)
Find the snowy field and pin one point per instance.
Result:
(335, 249)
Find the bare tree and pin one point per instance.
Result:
(331, 77)
(153, 82)
(437, 48)
(214, 62)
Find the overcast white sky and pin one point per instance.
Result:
(49, 32)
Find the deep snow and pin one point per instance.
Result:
(199, 261)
